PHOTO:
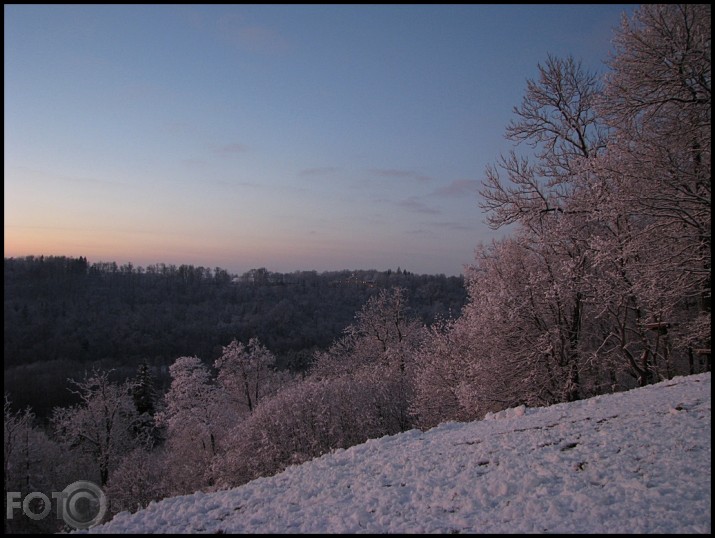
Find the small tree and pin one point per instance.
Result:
(136, 481)
(145, 397)
(32, 462)
(247, 373)
(16, 428)
(196, 416)
(442, 371)
(101, 424)
(378, 350)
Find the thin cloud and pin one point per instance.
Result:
(413, 204)
(459, 188)
(454, 226)
(429, 228)
(318, 172)
(419, 231)
(400, 173)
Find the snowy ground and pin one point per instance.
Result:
(634, 462)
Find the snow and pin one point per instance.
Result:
(632, 462)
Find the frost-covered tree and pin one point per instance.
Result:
(101, 424)
(559, 121)
(378, 349)
(138, 479)
(441, 372)
(646, 199)
(195, 418)
(383, 334)
(17, 427)
(32, 462)
(658, 102)
(605, 282)
(360, 388)
(527, 308)
(307, 418)
(247, 373)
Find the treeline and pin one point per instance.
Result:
(64, 316)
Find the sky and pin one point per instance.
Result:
(627, 463)
(291, 137)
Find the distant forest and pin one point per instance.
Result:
(65, 316)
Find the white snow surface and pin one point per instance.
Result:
(632, 462)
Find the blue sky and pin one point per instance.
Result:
(289, 137)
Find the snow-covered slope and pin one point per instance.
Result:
(633, 462)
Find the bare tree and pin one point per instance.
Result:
(101, 424)
(658, 99)
(654, 196)
(558, 121)
(32, 462)
(247, 373)
(196, 417)
(378, 350)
